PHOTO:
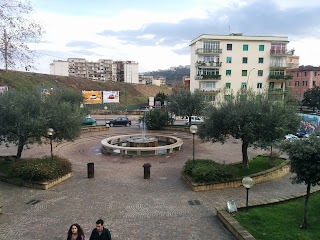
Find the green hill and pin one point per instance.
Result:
(136, 93)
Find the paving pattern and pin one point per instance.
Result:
(163, 207)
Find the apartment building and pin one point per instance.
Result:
(303, 78)
(102, 70)
(221, 63)
(145, 79)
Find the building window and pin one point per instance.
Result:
(261, 48)
(229, 59)
(289, 83)
(228, 85)
(227, 97)
(228, 72)
(313, 83)
(271, 85)
(305, 74)
(243, 85)
(245, 47)
(260, 73)
(296, 83)
(229, 47)
(259, 85)
(244, 60)
(210, 98)
(297, 74)
(260, 60)
(304, 83)
(244, 72)
(315, 73)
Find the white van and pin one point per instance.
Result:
(194, 120)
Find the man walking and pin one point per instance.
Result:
(100, 232)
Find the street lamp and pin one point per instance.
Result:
(249, 76)
(50, 133)
(193, 130)
(247, 182)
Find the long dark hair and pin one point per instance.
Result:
(80, 231)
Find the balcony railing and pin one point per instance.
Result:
(279, 65)
(208, 64)
(210, 90)
(208, 77)
(280, 77)
(275, 52)
(208, 51)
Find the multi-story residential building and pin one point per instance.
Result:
(303, 78)
(231, 62)
(145, 79)
(160, 81)
(186, 82)
(102, 70)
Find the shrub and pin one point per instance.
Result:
(155, 119)
(40, 169)
(209, 171)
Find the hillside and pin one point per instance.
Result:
(136, 94)
(172, 76)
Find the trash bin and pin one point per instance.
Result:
(146, 172)
(90, 167)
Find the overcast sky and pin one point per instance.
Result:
(157, 34)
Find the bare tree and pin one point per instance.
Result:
(17, 32)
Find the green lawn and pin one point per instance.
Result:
(281, 221)
(5, 166)
(259, 164)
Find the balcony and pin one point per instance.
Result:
(210, 90)
(281, 52)
(208, 51)
(279, 77)
(279, 66)
(202, 64)
(208, 77)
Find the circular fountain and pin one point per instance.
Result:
(141, 144)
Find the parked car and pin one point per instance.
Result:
(194, 120)
(119, 121)
(290, 137)
(89, 121)
(301, 134)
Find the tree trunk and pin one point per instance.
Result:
(20, 148)
(245, 162)
(305, 221)
(271, 152)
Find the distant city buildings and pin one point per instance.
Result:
(303, 78)
(102, 70)
(231, 62)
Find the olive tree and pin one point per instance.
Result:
(305, 163)
(185, 103)
(26, 116)
(251, 117)
(17, 32)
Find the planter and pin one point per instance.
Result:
(261, 177)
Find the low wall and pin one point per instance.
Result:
(94, 129)
(261, 177)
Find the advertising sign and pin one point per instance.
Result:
(151, 101)
(110, 96)
(92, 97)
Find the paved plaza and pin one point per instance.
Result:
(132, 207)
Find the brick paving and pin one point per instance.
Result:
(132, 207)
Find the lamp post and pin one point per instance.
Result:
(249, 76)
(247, 182)
(193, 130)
(50, 133)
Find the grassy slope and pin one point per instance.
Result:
(135, 93)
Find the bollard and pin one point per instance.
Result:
(90, 167)
(146, 172)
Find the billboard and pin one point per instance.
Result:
(151, 101)
(92, 97)
(110, 96)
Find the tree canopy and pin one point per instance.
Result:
(305, 163)
(185, 103)
(26, 116)
(17, 32)
(251, 117)
(311, 98)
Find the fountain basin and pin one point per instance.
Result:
(121, 145)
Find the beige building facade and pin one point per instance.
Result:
(224, 63)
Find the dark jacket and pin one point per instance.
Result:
(105, 235)
(78, 238)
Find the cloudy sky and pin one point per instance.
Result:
(157, 34)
